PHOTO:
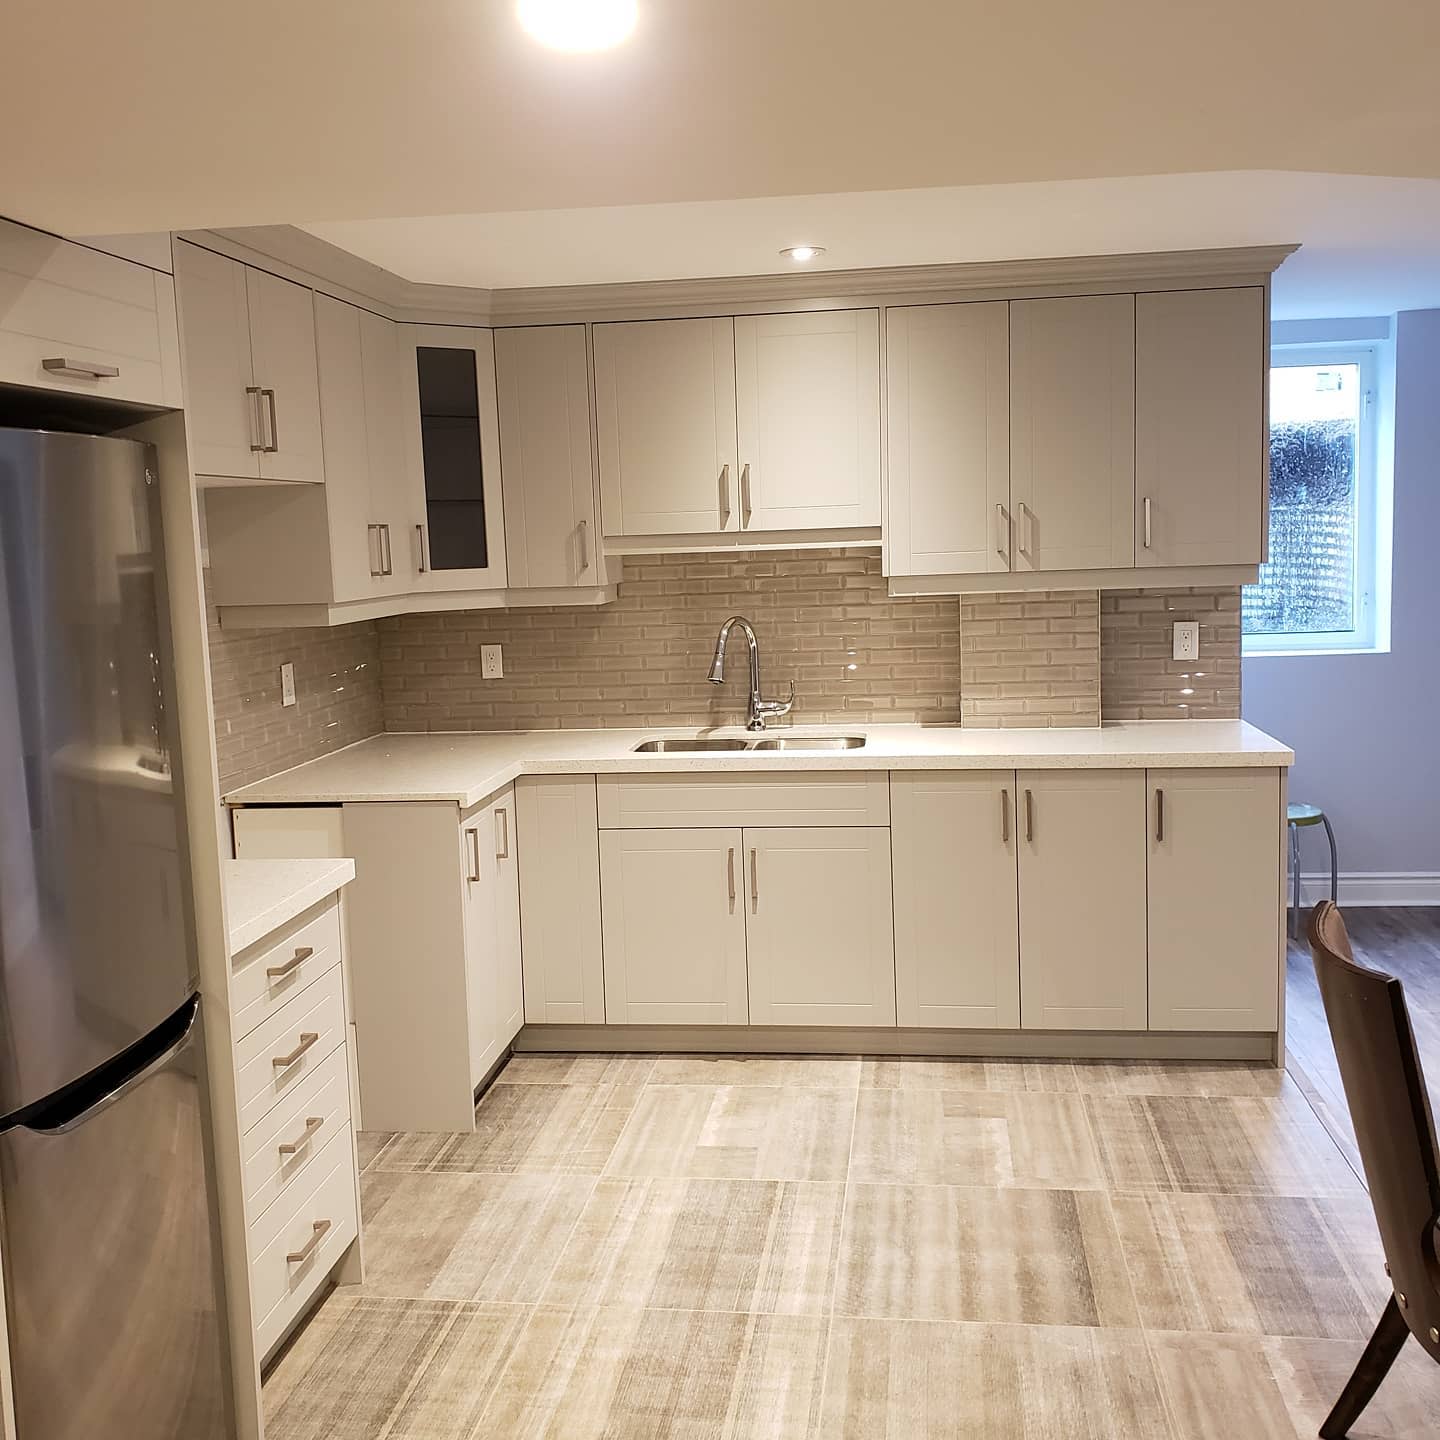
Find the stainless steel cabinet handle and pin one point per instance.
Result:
(584, 528)
(724, 495)
(278, 972)
(257, 420)
(388, 562)
(746, 509)
(1004, 817)
(1147, 522)
(420, 563)
(307, 1039)
(372, 549)
(1027, 527)
(1029, 815)
(293, 1147)
(472, 835)
(1002, 533)
(730, 873)
(754, 882)
(1159, 815)
(274, 444)
(79, 369)
(502, 842)
(318, 1232)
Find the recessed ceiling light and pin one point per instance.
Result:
(801, 253)
(578, 25)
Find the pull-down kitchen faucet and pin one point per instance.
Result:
(759, 708)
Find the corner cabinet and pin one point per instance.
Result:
(745, 429)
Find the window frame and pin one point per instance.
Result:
(1370, 634)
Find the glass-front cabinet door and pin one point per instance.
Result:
(453, 429)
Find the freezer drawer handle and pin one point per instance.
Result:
(318, 1232)
(312, 1124)
(79, 369)
(279, 972)
(307, 1039)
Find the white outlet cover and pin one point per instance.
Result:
(1186, 644)
(287, 683)
(492, 667)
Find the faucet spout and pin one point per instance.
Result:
(758, 707)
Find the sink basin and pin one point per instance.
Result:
(810, 742)
(671, 746)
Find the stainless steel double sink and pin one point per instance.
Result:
(716, 746)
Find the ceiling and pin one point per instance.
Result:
(164, 114)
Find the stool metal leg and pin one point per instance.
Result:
(1295, 879)
(1334, 859)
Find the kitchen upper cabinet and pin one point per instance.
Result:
(665, 420)
(1082, 899)
(1072, 432)
(546, 457)
(1216, 915)
(667, 894)
(1200, 443)
(957, 943)
(453, 453)
(947, 375)
(819, 926)
(807, 392)
(252, 389)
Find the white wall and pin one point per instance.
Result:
(1366, 728)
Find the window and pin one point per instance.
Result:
(1318, 590)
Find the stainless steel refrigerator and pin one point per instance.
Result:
(105, 1217)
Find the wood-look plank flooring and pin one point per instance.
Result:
(730, 1249)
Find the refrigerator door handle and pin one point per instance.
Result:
(132, 1082)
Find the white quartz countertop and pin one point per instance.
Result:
(466, 768)
(261, 895)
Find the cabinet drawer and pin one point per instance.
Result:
(307, 1119)
(651, 802)
(280, 1287)
(255, 992)
(260, 1081)
(60, 301)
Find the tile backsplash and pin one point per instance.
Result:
(1139, 680)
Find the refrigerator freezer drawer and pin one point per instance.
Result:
(111, 1279)
(264, 977)
(280, 1148)
(295, 1243)
(272, 1059)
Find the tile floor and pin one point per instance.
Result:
(682, 1248)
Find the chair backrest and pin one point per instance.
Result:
(1390, 1107)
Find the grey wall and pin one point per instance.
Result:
(1366, 728)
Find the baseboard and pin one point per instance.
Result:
(1377, 887)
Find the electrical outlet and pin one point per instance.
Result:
(287, 683)
(491, 666)
(1187, 640)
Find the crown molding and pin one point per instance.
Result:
(297, 255)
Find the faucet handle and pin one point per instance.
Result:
(779, 707)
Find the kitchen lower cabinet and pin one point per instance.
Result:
(674, 927)
(492, 932)
(1082, 899)
(819, 926)
(957, 940)
(1215, 899)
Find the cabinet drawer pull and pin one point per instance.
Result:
(80, 369)
(1159, 815)
(274, 444)
(257, 422)
(1004, 817)
(312, 1124)
(724, 495)
(746, 510)
(1029, 815)
(472, 836)
(420, 564)
(730, 873)
(754, 882)
(318, 1231)
(584, 537)
(502, 841)
(1002, 533)
(302, 954)
(307, 1039)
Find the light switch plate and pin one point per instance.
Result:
(1187, 640)
(491, 665)
(287, 683)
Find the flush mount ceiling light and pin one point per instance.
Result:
(578, 25)
(801, 253)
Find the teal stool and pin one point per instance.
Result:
(1299, 816)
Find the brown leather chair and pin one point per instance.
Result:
(1396, 1135)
